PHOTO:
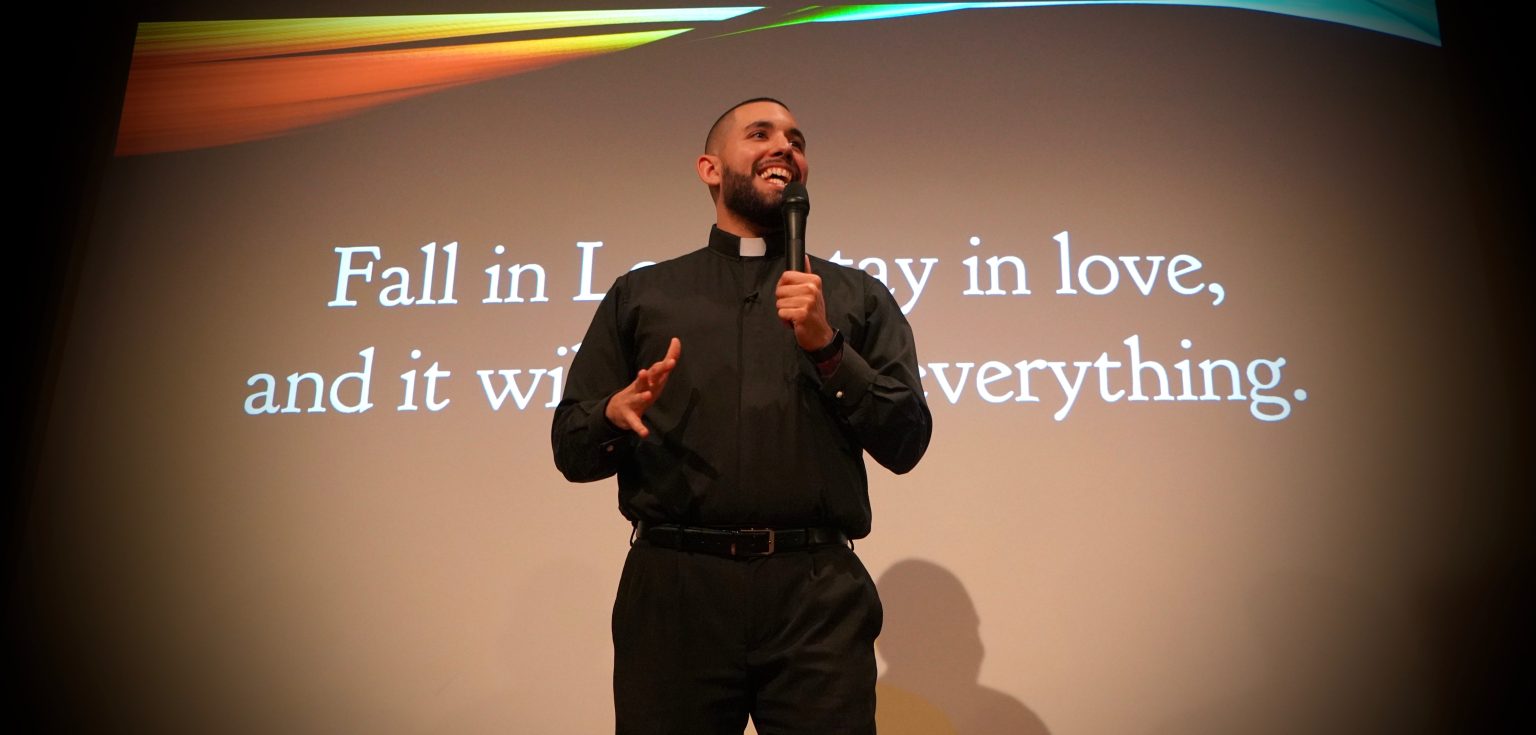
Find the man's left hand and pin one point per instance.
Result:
(801, 306)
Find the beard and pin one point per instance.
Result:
(739, 191)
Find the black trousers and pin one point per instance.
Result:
(702, 641)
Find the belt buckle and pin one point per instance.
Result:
(771, 542)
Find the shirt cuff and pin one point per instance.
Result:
(847, 385)
(607, 436)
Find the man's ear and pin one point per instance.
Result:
(709, 169)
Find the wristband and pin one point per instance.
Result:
(831, 350)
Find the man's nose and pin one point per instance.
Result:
(781, 144)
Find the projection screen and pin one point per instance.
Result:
(1200, 308)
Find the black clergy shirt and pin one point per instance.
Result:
(746, 432)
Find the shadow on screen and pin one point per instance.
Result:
(932, 648)
(1338, 658)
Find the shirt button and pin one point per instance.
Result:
(839, 394)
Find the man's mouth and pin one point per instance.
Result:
(776, 176)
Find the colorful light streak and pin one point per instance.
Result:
(201, 84)
(1411, 19)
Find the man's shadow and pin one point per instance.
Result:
(931, 644)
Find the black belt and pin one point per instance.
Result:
(738, 541)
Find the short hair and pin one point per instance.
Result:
(714, 130)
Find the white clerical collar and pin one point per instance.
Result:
(752, 247)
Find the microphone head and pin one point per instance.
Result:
(796, 198)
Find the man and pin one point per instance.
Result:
(737, 429)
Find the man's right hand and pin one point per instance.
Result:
(627, 406)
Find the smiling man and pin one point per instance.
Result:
(740, 460)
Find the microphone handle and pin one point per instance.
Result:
(796, 207)
(794, 251)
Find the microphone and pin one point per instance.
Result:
(796, 207)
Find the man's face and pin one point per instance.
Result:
(761, 150)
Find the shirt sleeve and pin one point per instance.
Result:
(875, 388)
(587, 446)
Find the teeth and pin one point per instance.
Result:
(775, 171)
